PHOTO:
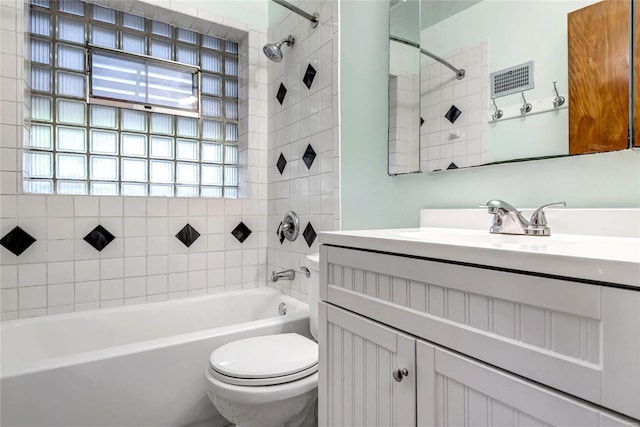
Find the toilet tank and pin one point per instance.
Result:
(313, 264)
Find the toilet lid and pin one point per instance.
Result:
(266, 356)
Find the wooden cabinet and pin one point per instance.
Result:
(598, 47)
(565, 338)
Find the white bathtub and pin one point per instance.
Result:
(131, 366)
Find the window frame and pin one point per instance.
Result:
(194, 70)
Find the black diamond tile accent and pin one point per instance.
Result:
(188, 235)
(421, 121)
(309, 156)
(452, 166)
(309, 75)
(282, 92)
(241, 232)
(17, 241)
(453, 114)
(99, 238)
(309, 234)
(282, 162)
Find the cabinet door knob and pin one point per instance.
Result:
(398, 374)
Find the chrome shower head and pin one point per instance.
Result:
(273, 51)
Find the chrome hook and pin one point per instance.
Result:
(498, 113)
(526, 107)
(558, 100)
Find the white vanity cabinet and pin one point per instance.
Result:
(481, 345)
(440, 389)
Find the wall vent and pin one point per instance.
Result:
(512, 80)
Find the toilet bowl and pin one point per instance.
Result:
(269, 380)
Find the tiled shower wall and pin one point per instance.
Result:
(463, 142)
(307, 116)
(404, 123)
(60, 272)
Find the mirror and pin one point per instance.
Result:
(541, 79)
(404, 87)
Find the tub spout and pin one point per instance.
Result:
(286, 274)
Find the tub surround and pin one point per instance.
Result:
(303, 163)
(145, 262)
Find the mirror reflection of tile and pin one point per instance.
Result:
(404, 120)
(453, 109)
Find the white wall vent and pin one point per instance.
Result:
(512, 80)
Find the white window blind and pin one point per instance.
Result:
(119, 77)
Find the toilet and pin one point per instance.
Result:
(270, 380)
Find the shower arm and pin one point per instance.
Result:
(315, 18)
(460, 72)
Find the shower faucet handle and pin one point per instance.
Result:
(289, 227)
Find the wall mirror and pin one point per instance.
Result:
(479, 82)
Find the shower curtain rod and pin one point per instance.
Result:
(460, 72)
(313, 18)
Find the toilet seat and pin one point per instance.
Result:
(265, 360)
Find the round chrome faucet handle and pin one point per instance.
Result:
(284, 226)
(289, 227)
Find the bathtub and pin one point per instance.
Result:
(130, 366)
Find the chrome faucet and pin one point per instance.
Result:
(289, 274)
(508, 220)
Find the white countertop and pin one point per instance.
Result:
(595, 258)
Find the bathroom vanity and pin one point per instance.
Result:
(449, 327)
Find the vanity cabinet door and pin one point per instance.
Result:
(453, 390)
(357, 362)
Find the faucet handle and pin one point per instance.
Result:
(495, 205)
(538, 224)
(538, 218)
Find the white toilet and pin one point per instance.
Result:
(270, 380)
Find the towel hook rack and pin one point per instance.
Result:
(526, 107)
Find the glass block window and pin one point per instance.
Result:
(77, 146)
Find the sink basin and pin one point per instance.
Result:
(464, 237)
(596, 245)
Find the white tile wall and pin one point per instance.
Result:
(404, 123)
(60, 272)
(307, 116)
(465, 142)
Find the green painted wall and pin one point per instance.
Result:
(372, 199)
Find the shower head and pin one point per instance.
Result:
(273, 51)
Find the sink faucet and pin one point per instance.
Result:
(508, 220)
(289, 274)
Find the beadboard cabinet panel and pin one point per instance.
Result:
(564, 334)
(453, 391)
(357, 360)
